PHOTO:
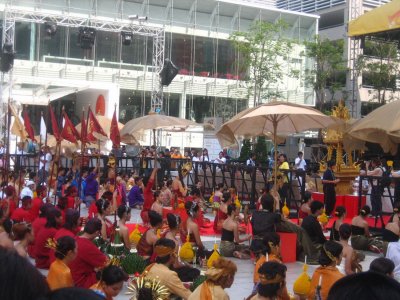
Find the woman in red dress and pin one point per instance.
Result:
(42, 251)
(222, 213)
(104, 210)
(149, 238)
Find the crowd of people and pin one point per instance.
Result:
(40, 232)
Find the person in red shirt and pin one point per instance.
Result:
(37, 225)
(70, 228)
(22, 214)
(148, 197)
(71, 193)
(42, 252)
(9, 204)
(89, 258)
(41, 192)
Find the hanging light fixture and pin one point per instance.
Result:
(127, 37)
(86, 37)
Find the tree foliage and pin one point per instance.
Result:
(261, 149)
(328, 65)
(265, 52)
(245, 151)
(379, 66)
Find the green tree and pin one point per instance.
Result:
(246, 150)
(379, 66)
(328, 65)
(264, 51)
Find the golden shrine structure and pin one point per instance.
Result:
(345, 170)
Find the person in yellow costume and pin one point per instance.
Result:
(59, 275)
(220, 276)
(327, 273)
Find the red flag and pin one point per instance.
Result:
(94, 126)
(115, 137)
(69, 131)
(28, 126)
(54, 124)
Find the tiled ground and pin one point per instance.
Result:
(243, 283)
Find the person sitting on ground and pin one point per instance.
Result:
(89, 258)
(104, 210)
(42, 251)
(264, 220)
(157, 205)
(271, 246)
(149, 238)
(135, 196)
(382, 265)
(22, 214)
(305, 209)
(222, 212)
(38, 225)
(365, 285)
(340, 213)
(164, 250)
(71, 224)
(124, 215)
(393, 253)
(23, 236)
(219, 277)
(311, 225)
(230, 240)
(37, 202)
(196, 197)
(59, 275)
(5, 231)
(327, 272)
(110, 282)
(179, 190)
(185, 272)
(191, 228)
(392, 229)
(19, 279)
(272, 282)
(361, 238)
(350, 258)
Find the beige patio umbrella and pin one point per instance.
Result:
(381, 126)
(275, 119)
(135, 127)
(67, 148)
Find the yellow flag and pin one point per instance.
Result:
(17, 128)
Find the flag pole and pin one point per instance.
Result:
(7, 158)
(83, 145)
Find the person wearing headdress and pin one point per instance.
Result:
(219, 277)
(164, 250)
(59, 275)
(327, 273)
(272, 281)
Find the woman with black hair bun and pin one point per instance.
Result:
(59, 275)
(327, 273)
(124, 215)
(103, 210)
(340, 213)
(351, 258)
(361, 238)
(110, 282)
(222, 212)
(149, 238)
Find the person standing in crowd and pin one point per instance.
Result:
(376, 191)
(299, 162)
(164, 250)
(44, 164)
(329, 182)
(220, 159)
(204, 157)
(92, 187)
(251, 162)
(89, 257)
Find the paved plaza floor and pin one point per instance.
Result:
(243, 283)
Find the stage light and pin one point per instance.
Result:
(127, 38)
(86, 37)
(50, 28)
(168, 72)
(7, 58)
(143, 18)
(133, 17)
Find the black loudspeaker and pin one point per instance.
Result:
(168, 72)
(127, 38)
(86, 37)
(7, 58)
(50, 28)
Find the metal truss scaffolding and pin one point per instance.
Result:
(13, 14)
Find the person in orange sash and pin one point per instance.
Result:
(219, 277)
(327, 274)
(59, 273)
